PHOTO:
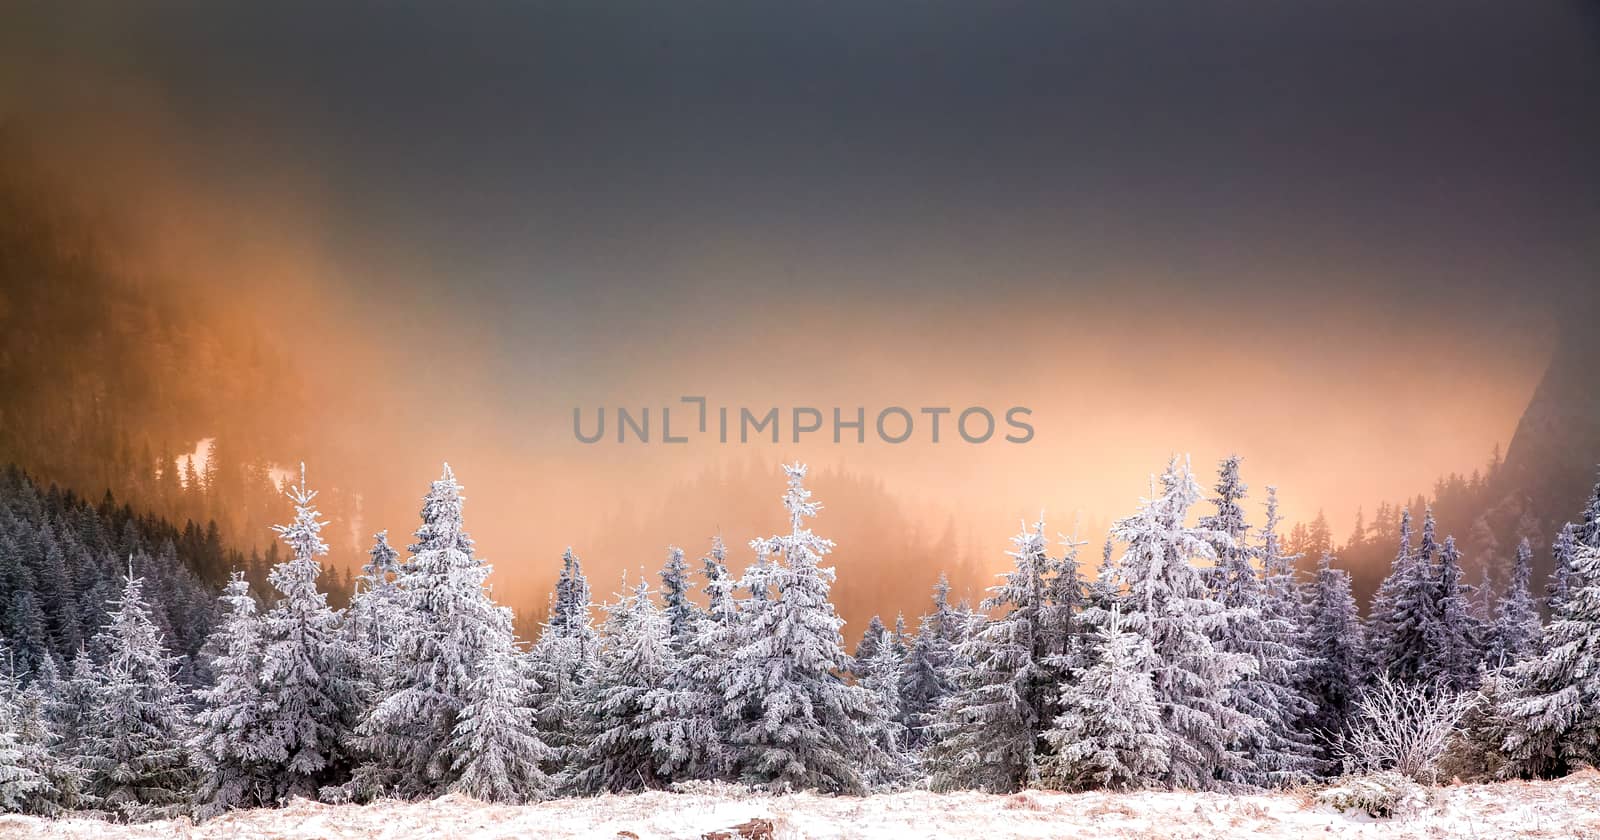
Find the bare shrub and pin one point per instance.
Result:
(1402, 727)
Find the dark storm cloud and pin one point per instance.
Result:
(560, 152)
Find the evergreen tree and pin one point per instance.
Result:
(310, 676)
(27, 769)
(799, 724)
(1405, 609)
(891, 764)
(867, 648)
(1167, 603)
(1554, 710)
(1453, 654)
(1109, 733)
(1562, 550)
(453, 630)
(377, 608)
(925, 680)
(675, 588)
(499, 756)
(1516, 626)
(133, 748)
(690, 728)
(987, 730)
(231, 741)
(1333, 645)
(635, 658)
(570, 615)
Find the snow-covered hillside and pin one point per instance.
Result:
(1567, 808)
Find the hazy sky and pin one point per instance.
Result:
(1335, 237)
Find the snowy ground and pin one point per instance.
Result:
(1567, 809)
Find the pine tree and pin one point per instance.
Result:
(231, 740)
(310, 676)
(635, 657)
(1453, 654)
(499, 754)
(867, 648)
(690, 728)
(1554, 710)
(1109, 733)
(1167, 604)
(1405, 609)
(1562, 550)
(453, 629)
(925, 680)
(1516, 626)
(135, 729)
(891, 764)
(377, 609)
(561, 662)
(800, 725)
(1333, 645)
(675, 588)
(26, 783)
(987, 731)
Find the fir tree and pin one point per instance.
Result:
(1554, 710)
(987, 730)
(1562, 550)
(377, 609)
(1109, 733)
(310, 684)
(1405, 609)
(230, 738)
(133, 748)
(799, 724)
(867, 648)
(499, 756)
(635, 657)
(1453, 654)
(890, 763)
(453, 629)
(925, 680)
(1333, 644)
(1516, 627)
(690, 728)
(1167, 604)
(675, 588)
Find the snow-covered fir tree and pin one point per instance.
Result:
(1109, 733)
(891, 763)
(690, 728)
(230, 742)
(925, 679)
(1405, 609)
(377, 610)
(499, 755)
(1554, 708)
(867, 648)
(986, 732)
(1562, 549)
(310, 688)
(799, 724)
(1333, 645)
(1275, 755)
(28, 770)
(1453, 654)
(452, 629)
(1167, 603)
(561, 662)
(1515, 630)
(635, 658)
(570, 614)
(675, 596)
(134, 749)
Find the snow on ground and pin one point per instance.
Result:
(1568, 809)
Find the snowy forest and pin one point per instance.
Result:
(1189, 654)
